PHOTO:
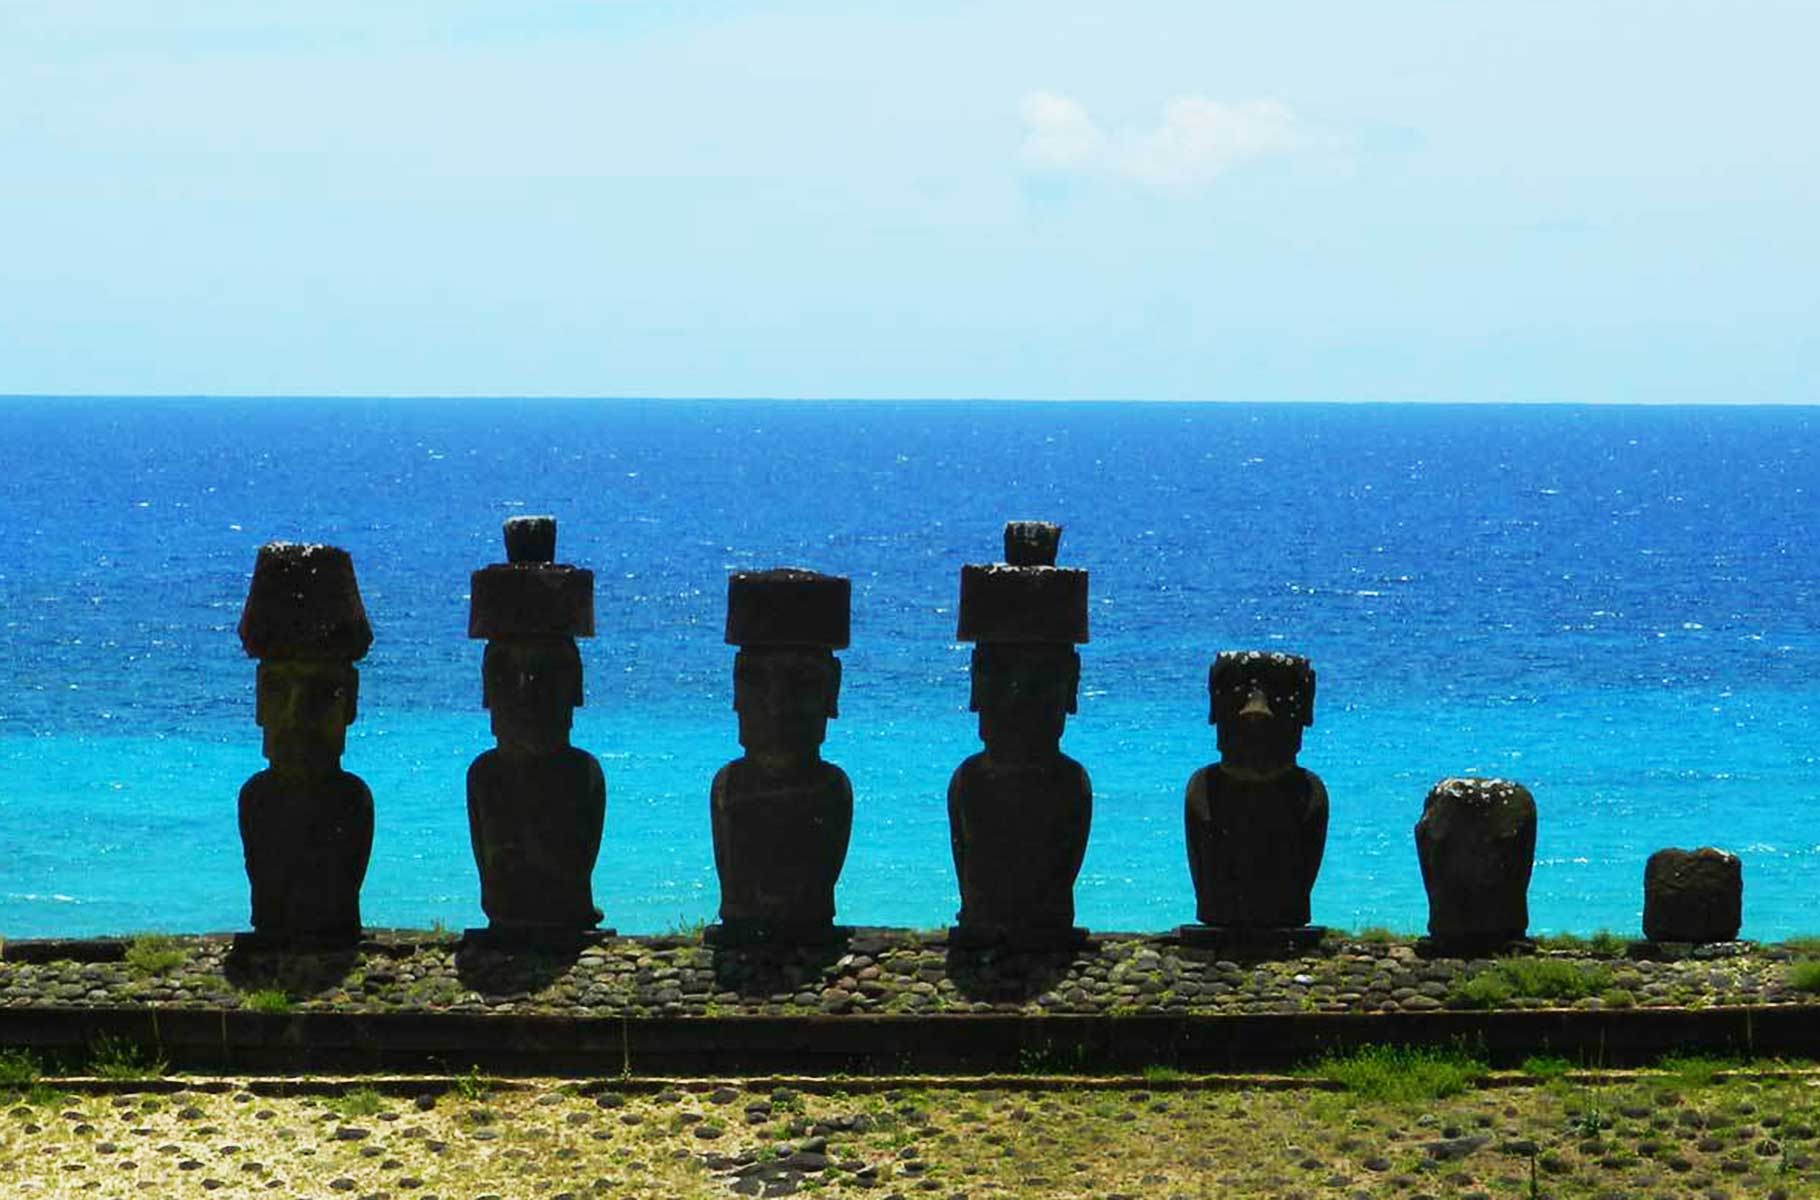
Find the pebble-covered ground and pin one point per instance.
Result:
(1665, 1136)
(873, 972)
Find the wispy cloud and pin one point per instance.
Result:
(1196, 140)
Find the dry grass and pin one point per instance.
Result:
(1672, 1136)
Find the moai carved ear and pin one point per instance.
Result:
(976, 668)
(834, 677)
(352, 694)
(1074, 678)
(1308, 704)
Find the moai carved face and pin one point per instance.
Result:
(1023, 693)
(305, 707)
(531, 687)
(1261, 702)
(784, 696)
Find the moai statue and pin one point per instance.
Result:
(1692, 896)
(781, 815)
(1256, 822)
(536, 804)
(1018, 812)
(306, 825)
(1477, 844)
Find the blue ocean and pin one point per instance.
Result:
(1614, 605)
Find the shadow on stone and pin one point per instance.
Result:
(1007, 973)
(252, 966)
(496, 966)
(758, 969)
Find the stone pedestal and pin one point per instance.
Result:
(1019, 812)
(536, 804)
(305, 824)
(1693, 896)
(1476, 841)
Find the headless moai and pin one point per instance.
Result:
(536, 804)
(1476, 841)
(1019, 811)
(305, 824)
(1256, 822)
(1693, 896)
(781, 815)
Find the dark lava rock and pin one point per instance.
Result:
(1476, 842)
(1692, 896)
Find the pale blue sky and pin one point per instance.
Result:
(1284, 201)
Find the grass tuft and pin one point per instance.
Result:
(1804, 975)
(1693, 1070)
(358, 1102)
(118, 1058)
(1401, 1074)
(19, 1068)
(270, 1000)
(150, 955)
(1546, 1066)
(1534, 978)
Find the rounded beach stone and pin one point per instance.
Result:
(1692, 896)
(1476, 842)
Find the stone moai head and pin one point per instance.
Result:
(1260, 701)
(531, 610)
(1025, 616)
(786, 681)
(1693, 896)
(305, 624)
(1476, 843)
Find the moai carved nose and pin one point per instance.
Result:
(1257, 704)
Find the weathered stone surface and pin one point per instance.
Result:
(536, 804)
(1476, 841)
(1256, 822)
(781, 815)
(1019, 812)
(1692, 896)
(304, 603)
(306, 826)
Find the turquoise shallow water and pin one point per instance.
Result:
(1616, 607)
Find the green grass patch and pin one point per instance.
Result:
(1806, 946)
(1804, 975)
(1401, 1074)
(1546, 1066)
(19, 1068)
(1603, 944)
(1695, 1070)
(358, 1102)
(270, 1000)
(151, 955)
(119, 1058)
(1160, 1074)
(1531, 978)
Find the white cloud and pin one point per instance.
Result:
(1058, 133)
(1196, 140)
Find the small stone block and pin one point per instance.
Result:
(532, 937)
(751, 933)
(254, 942)
(530, 539)
(788, 607)
(1493, 947)
(1251, 942)
(963, 937)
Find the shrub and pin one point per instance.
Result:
(1804, 975)
(1404, 1074)
(1533, 978)
(270, 1000)
(118, 1058)
(18, 1068)
(153, 954)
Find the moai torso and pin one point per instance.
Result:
(781, 816)
(306, 826)
(1257, 822)
(1476, 843)
(1019, 812)
(536, 804)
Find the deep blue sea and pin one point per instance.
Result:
(1616, 606)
